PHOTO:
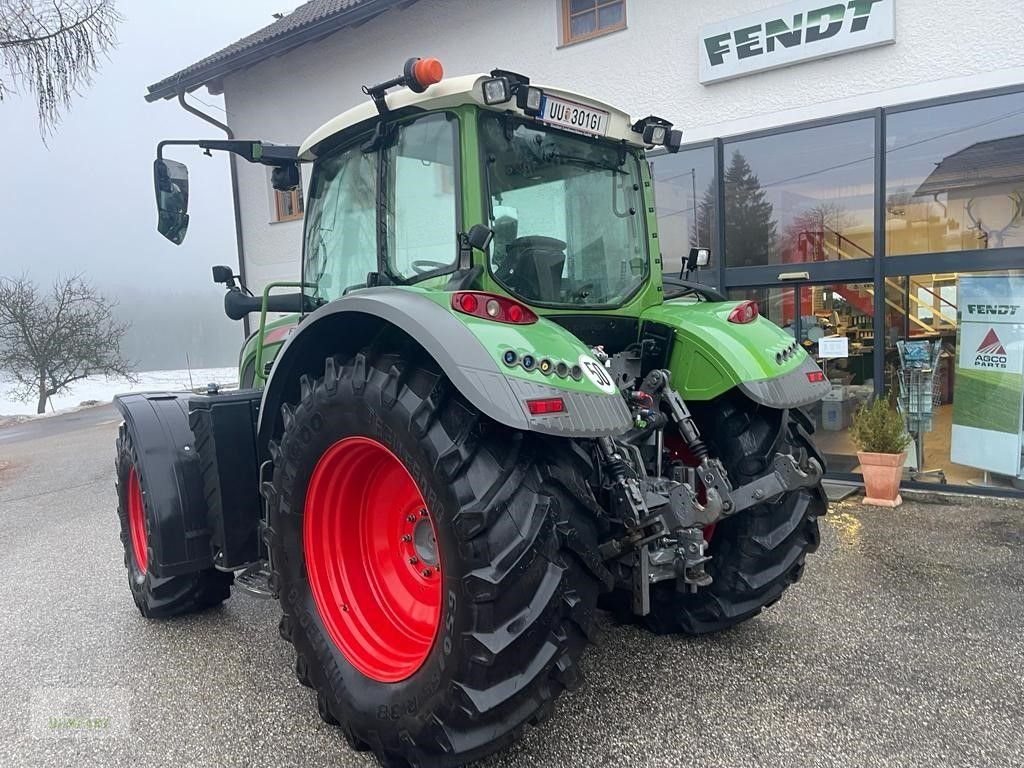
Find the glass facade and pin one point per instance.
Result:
(955, 176)
(927, 298)
(801, 196)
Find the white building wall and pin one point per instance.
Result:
(650, 67)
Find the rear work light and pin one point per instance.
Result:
(744, 312)
(546, 405)
(492, 307)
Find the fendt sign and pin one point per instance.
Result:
(791, 33)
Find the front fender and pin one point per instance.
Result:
(710, 355)
(468, 350)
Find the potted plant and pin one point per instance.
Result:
(879, 433)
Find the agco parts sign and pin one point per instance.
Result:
(791, 33)
(988, 396)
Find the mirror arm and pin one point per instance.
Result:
(251, 151)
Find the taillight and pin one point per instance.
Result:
(492, 307)
(546, 405)
(815, 376)
(744, 312)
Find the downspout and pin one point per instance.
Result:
(234, 194)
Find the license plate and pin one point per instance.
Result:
(573, 116)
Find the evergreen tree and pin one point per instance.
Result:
(749, 227)
(705, 225)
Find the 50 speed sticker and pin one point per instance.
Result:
(597, 374)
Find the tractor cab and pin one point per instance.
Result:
(558, 182)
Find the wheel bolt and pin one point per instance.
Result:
(344, 609)
(413, 560)
(410, 519)
(426, 573)
(423, 513)
(406, 537)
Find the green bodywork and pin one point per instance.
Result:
(710, 354)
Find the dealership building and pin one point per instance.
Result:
(857, 167)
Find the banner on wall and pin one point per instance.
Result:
(988, 395)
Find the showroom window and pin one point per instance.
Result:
(955, 176)
(956, 371)
(684, 192)
(586, 19)
(801, 196)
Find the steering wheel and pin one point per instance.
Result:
(422, 266)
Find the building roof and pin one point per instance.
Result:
(982, 164)
(310, 21)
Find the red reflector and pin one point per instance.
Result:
(546, 405)
(744, 312)
(815, 376)
(476, 303)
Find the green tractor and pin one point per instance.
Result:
(488, 414)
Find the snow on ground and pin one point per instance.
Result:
(102, 389)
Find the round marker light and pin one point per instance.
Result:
(515, 313)
(528, 362)
(546, 367)
(510, 357)
(576, 373)
(468, 302)
(493, 307)
(562, 370)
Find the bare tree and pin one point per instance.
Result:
(51, 48)
(49, 341)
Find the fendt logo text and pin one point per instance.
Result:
(992, 309)
(991, 352)
(819, 24)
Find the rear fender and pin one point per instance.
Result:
(711, 355)
(467, 349)
(171, 478)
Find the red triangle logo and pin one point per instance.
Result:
(991, 345)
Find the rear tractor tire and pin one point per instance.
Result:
(438, 573)
(156, 597)
(758, 553)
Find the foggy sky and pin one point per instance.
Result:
(85, 203)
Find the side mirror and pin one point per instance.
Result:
(170, 178)
(698, 257)
(224, 276)
(479, 237)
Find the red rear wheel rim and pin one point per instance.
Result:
(372, 559)
(137, 520)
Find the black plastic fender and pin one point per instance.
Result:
(348, 323)
(171, 480)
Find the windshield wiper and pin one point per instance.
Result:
(584, 161)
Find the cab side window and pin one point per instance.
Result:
(421, 219)
(341, 227)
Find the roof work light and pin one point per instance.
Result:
(657, 132)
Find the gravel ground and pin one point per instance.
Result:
(901, 646)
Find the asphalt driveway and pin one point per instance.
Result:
(903, 645)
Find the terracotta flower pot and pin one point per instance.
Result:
(882, 474)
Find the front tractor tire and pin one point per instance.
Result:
(156, 597)
(437, 572)
(758, 553)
